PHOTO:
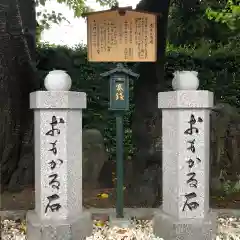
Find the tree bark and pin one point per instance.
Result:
(146, 124)
(17, 80)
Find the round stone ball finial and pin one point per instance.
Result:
(57, 80)
(185, 80)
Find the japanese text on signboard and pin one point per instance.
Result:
(127, 38)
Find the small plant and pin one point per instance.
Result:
(230, 187)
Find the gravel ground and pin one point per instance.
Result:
(229, 229)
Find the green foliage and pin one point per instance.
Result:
(229, 15)
(189, 25)
(230, 187)
(218, 73)
(45, 18)
(79, 7)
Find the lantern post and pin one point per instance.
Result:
(119, 102)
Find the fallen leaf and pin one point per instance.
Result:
(103, 195)
(121, 231)
(99, 224)
(23, 228)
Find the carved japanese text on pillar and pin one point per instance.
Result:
(190, 198)
(54, 200)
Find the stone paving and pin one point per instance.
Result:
(228, 226)
(229, 229)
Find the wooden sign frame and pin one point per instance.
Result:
(122, 35)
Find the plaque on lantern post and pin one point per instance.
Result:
(119, 92)
(119, 102)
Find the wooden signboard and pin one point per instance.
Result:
(122, 37)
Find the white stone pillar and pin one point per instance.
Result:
(58, 210)
(185, 212)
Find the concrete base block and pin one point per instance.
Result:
(169, 228)
(76, 228)
(119, 222)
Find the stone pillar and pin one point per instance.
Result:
(185, 213)
(58, 210)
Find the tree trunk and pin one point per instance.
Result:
(146, 123)
(16, 82)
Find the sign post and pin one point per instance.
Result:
(121, 35)
(119, 102)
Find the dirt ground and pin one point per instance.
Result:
(25, 200)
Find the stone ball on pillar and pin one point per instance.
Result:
(185, 80)
(58, 80)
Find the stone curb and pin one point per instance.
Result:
(103, 214)
(141, 213)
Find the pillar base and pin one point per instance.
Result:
(77, 228)
(170, 228)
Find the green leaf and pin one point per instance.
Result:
(42, 2)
